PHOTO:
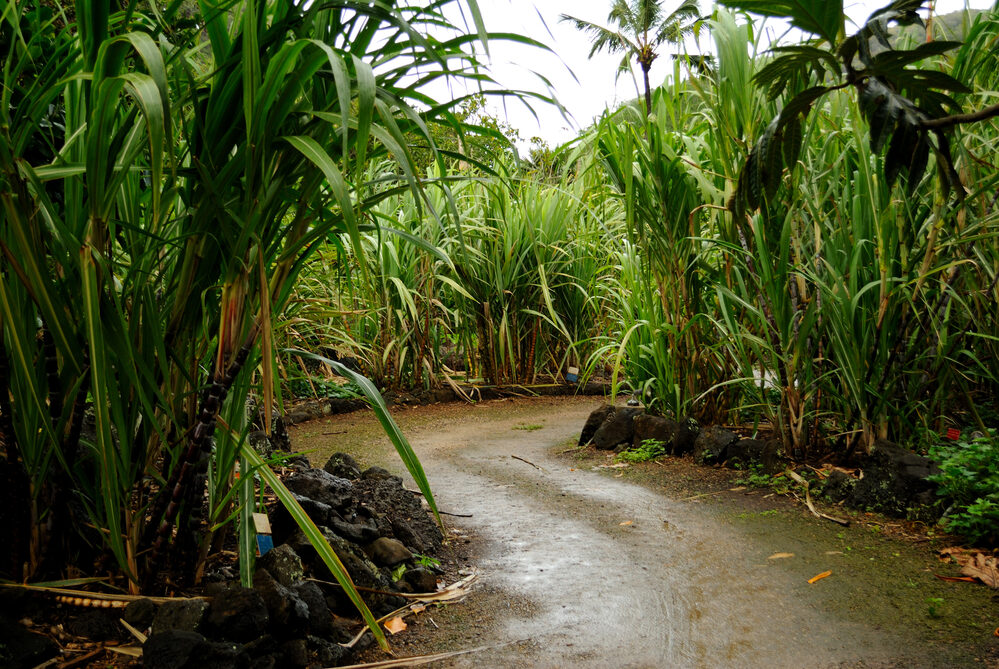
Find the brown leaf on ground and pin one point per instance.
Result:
(627, 522)
(952, 553)
(780, 556)
(395, 625)
(974, 564)
(985, 569)
(819, 577)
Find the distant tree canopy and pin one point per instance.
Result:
(470, 134)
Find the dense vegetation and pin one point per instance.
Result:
(839, 285)
(195, 197)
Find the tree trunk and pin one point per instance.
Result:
(648, 89)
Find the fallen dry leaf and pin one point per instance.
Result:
(985, 569)
(975, 564)
(417, 608)
(738, 489)
(819, 577)
(627, 522)
(395, 625)
(780, 556)
(951, 552)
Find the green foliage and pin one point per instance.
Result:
(824, 19)
(969, 479)
(906, 107)
(320, 388)
(426, 561)
(934, 607)
(757, 478)
(650, 449)
(166, 175)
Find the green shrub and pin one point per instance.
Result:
(650, 449)
(969, 478)
(323, 388)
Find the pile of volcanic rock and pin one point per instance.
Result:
(894, 480)
(295, 615)
(618, 428)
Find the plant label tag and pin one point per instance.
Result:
(952, 433)
(261, 523)
(264, 543)
(572, 374)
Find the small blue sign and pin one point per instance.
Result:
(264, 543)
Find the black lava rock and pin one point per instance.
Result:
(283, 563)
(288, 614)
(343, 466)
(618, 429)
(237, 614)
(140, 613)
(184, 615)
(711, 445)
(895, 482)
(386, 552)
(593, 423)
(320, 619)
(321, 486)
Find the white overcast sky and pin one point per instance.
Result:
(593, 88)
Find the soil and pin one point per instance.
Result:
(662, 564)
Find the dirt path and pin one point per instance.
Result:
(582, 569)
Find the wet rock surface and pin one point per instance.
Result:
(618, 429)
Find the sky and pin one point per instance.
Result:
(584, 86)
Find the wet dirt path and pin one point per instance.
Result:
(618, 575)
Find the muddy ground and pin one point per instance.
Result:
(659, 564)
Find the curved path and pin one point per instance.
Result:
(619, 575)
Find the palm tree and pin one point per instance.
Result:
(642, 28)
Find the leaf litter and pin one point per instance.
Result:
(975, 565)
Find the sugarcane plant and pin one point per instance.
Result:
(165, 174)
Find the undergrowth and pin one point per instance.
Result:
(969, 478)
(650, 449)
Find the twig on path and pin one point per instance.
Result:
(703, 494)
(517, 457)
(808, 501)
(569, 450)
